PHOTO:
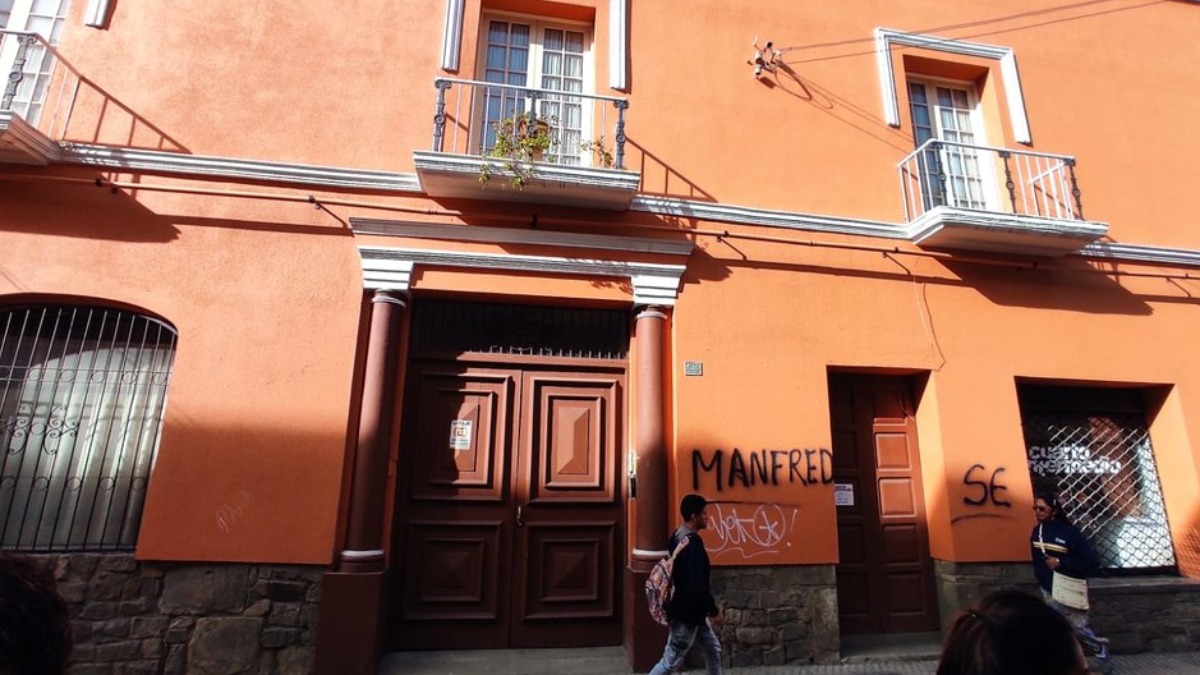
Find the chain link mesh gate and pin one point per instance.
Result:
(1101, 465)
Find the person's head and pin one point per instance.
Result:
(1011, 633)
(1046, 507)
(693, 510)
(35, 633)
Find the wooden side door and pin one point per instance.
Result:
(569, 542)
(885, 572)
(453, 564)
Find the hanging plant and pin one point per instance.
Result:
(521, 141)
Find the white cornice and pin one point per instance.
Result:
(390, 267)
(157, 161)
(886, 37)
(529, 237)
(1180, 257)
(794, 220)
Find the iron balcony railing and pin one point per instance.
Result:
(38, 84)
(963, 176)
(485, 118)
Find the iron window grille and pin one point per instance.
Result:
(82, 394)
(1092, 448)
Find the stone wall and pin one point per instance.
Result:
(1138, 614)
(962, 585)
(149, 618)
(1155, 614)
(778, 615)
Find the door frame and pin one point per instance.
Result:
(908, 384)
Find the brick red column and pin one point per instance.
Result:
(650, 442)
(353, 601)
(363, 550)
(643, 637)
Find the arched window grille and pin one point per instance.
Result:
(82, 394)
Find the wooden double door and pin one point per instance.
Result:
(510, 510)
(885, 571)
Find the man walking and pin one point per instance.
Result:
(692, 611)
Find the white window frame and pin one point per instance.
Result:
(985, 160)
(39, 67)
(537, 26)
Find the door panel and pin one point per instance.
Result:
(455, 524)
(568, 493)
(885, 573)
(462, 435)
(450, 568)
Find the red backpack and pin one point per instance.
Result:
(660, 586)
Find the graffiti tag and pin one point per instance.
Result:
(229, 514)
(811, 466)
(751, 529)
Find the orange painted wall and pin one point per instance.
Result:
(266, 295)
(265, 303)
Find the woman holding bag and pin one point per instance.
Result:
(1061, 553)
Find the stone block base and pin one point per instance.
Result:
(156, 618)
(778, 615)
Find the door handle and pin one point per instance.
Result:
(520, 516)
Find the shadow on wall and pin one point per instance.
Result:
(869, 123)
(659, 178)
(79, 110)
(74, 210)
(1071, 285)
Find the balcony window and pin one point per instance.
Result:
(26, 94)
(82, 393)
(948, 112)
(533, 55)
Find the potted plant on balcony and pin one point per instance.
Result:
(520, 141)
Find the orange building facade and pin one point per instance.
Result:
(407, 326)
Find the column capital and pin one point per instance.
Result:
(650, 312)
(392, 296)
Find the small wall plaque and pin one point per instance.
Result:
(693, 368)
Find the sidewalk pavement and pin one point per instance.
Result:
(611, 661)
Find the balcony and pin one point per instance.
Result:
(524, 144)
(39, 91)
(960, 196)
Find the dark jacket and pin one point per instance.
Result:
(692, 600)
(1059, 539)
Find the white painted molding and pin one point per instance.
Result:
(211, 167)
(25, 141)
(618, 44)
(96, 14)
(452, 35)
(885, 38)
(527, 237)
(793, 220)
(384, 274)
(1180, 257)
(158, 161)
(655, 290)
(391, 267)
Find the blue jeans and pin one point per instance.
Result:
(680, 640)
